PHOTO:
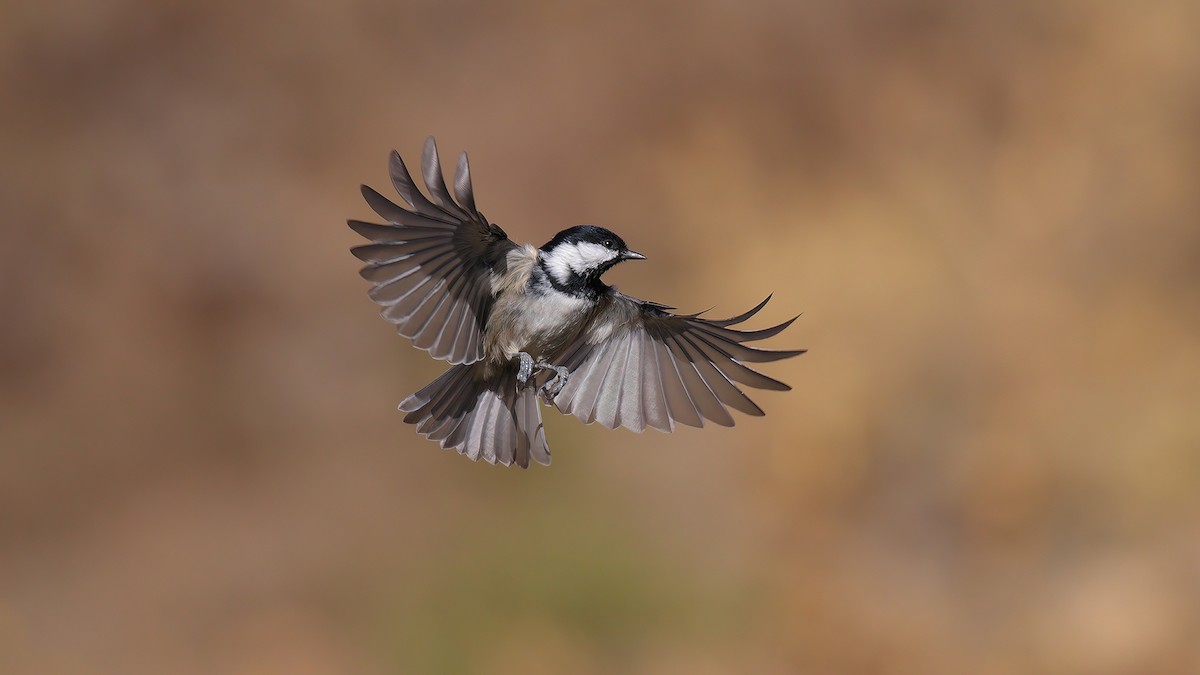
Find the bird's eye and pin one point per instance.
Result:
(608, 243)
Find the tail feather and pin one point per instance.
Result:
(483, 416)
(536, 430)
(523, 441)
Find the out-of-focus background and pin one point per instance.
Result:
(987, 213)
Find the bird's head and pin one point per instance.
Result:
(583, 253)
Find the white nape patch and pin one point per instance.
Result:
(578, 258)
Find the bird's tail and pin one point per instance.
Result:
(482, 414)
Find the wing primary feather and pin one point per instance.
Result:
(706, 401)
(382, 254)
(433, 324)
(392, 213)
(462, 184)
(417, 252)
(411, 324)
(448, 320)
(458, 311)
(446, 303)
(404, 184)
(396, 289)
(431, 167)
(475, 342)
(465, 324)
(402, 181)
(679, 401)
(388, 272)
(470, 331)
(402, 309)
(735, 370)
(395, 234)
(744, 335)
(721, 387)
(741, 352)
(734, 320)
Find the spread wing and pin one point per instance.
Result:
(643, 366)
(432, 264)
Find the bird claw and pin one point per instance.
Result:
(526, 367)
(556, 383)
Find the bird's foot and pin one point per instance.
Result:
(525, 368)
(556, 383)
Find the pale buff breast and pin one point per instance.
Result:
(527, 320)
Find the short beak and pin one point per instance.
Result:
(632, 255)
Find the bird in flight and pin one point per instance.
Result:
(515, 321)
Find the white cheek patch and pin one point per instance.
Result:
(577, 258)
(593, 255)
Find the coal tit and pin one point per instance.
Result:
(514, 320)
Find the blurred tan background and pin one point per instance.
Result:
(987, 212)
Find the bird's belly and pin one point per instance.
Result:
(537, 324)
